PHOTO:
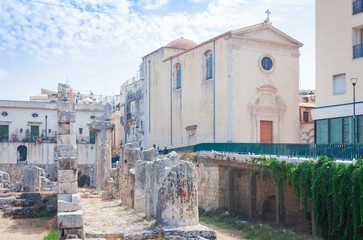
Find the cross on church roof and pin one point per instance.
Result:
(181, 34)
(268, 12)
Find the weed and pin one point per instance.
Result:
(52, 235)
(13, 227)
(254, 230)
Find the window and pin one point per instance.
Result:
(348, 130)
(4, 132)
(336, 126)
(322, 131)
(209, 64)
(132, 106)
(92, 137)
(80, 130)
(178, 76)
(22, 154)
(339, 84)
(141, 125)
(141, 106)
(306, 117)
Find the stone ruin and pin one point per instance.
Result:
(103, 127)
(163, 187)
(70, 215)
(5, 181)
(34, 181)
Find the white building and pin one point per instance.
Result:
(339, 59)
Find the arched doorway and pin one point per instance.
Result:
(269, 208)
(22, 155)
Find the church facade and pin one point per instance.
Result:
(240, 86)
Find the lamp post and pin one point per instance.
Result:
(354, 82)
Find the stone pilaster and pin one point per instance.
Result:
(70, 215)
(103, 127)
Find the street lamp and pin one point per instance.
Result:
(354, 82)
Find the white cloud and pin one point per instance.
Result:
(153, 4)
(49, 31)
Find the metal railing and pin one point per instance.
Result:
(27, 138)
(358, 50)
(357, 6)
(312, 151)
(39, 139)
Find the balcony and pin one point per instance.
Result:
(358, 51)
(357, 6)
(27, 138)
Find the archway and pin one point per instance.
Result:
(269, 208)
(22, 152)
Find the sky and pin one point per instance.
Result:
(98, 44)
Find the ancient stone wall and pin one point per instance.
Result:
(232, 184)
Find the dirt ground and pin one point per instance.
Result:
(23, 229)
(99, 216)
(112, 217)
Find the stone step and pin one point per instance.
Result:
(4, 190)
(3, 195)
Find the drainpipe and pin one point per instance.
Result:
(171, 102)
(46, 126)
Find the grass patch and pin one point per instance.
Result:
(52, 235)
(41, 210)
(13, 227)
(250, 230)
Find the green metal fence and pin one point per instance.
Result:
(334, 151)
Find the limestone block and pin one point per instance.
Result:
(67, 150)
(75, 198)
(67, 187)
(155, 173)
(149, 154)
(140, 191)
(32, 181)
(75, 231)
(70, 220)
(178, 197)
(67, 175)
(66, 117)
(67, 139)
(132, 145)
(64, 106)
(108, 112)
(64, 206)
(66, 128)
(67, 163)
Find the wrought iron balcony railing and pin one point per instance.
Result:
(358, 50)
(357, 6)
